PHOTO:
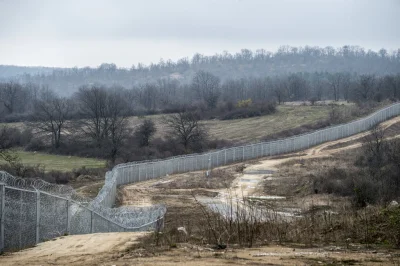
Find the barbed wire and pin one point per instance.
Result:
(125, 216)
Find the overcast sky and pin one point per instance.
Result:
(81, 33)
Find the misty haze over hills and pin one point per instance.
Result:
(247, 63)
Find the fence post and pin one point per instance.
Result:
(37, 216)
(20, 220)
(225, 156)
(68, 219)
(2, 215)
(91, 221)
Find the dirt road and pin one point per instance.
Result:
(89, 249)
(121, 249)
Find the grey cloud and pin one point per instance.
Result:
(366, 23)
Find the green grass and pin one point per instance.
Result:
(58, 162)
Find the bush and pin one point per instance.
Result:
(250, 111)
(10, 137)
(244, 103)
(334, 181)
(35, 145)
(392, 216)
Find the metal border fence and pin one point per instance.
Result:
(145, 170)
(28, 217)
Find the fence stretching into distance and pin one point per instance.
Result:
(31, 216)
(145, 170)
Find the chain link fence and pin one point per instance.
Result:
(29, 216)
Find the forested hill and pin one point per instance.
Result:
(260, 63)
(9, 71)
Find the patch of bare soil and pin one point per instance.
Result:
(218, 179)
(89, 189)
(125, 249)
(91, 249)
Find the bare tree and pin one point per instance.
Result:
(104, 120)
(207, 87)
(9, 93)
(148, 96)
(117, 109)
(365, 86)
(297, 87)
(346, 83)
(4, 140)
(280, 90)
(318, 84)
(186, 128)
(392, 85)
(145, 132)
(375, 148)
(335, 80)
(50, 116)
(93, 108)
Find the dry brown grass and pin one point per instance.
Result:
(219, 178)
(253, 129)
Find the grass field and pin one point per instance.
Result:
(58, 162)
(253, 129)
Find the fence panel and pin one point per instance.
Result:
(54, 214)
(19, 219)
(81, 221)
(99, 223)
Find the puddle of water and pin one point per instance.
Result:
(249, 180)
(267, 197)
(161, 182)
(271, 178)
(259, 172)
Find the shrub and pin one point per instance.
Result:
(35, 145)
(250, 111)
(244, 103)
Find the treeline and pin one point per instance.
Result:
(215, 98)
(102, 130)
(245, 64)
